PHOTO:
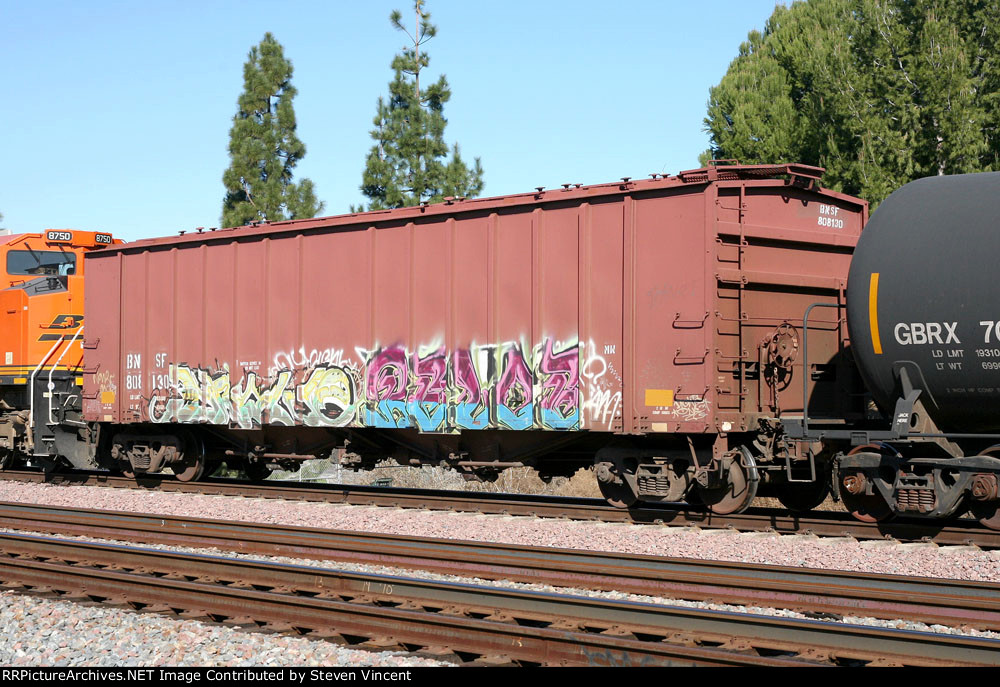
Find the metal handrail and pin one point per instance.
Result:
(31, 384)
(59, 360)
(805, 362)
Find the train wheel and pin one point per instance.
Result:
(736, 495)
(854, 487)
(125, 468)
(693, 497)
(256, 472)
(6, 458)
(988, 514)
(192, 469)
(986, 485)
(865, 507)
(617, 481)
(193, 465)
(802, 498)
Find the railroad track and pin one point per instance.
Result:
(467, 622)
(829, 592)
(820, 523)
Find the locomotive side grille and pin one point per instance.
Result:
(916, 500)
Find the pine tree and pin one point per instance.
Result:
(879, 92)
(263, 146)
(408, 164)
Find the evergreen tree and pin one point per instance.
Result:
(879, 92)
(263, 146)
(408, 163)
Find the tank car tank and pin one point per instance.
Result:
(923, 308)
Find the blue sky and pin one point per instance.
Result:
(117, 114)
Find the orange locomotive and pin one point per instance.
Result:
(41, 346)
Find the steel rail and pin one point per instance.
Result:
(928, 600)
(820, 523)
(484, 621)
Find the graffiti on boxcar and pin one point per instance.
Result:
(604, 397)
(328, 396)
(386, 384)
(322, 396)
(246, 399)
(505, 386)
(277, 401)
(105, 381)
(479, 387)
(190, 395)
(689, 410)
(302, 360)
(428, 401)
(469, 383)
(558, 376)
(217, 397)
(514, 389)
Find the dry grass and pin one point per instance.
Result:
(828, 504)
(511, 481)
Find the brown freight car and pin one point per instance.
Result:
(649, 327)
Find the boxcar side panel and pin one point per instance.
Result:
(556, 322)
(672, 322)
(635, 310)
(135, 313)
(602, 354)
(333, 300)
(780, 249)
(469, 342)
(512, 382)
(432, 311)
(250, 322)
(103, 382)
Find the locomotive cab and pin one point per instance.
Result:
(41, 352)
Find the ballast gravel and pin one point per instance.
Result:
(46, 632)
(880, 557)
(38, 641)
(592, 593)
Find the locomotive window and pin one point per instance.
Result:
(41, 262)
